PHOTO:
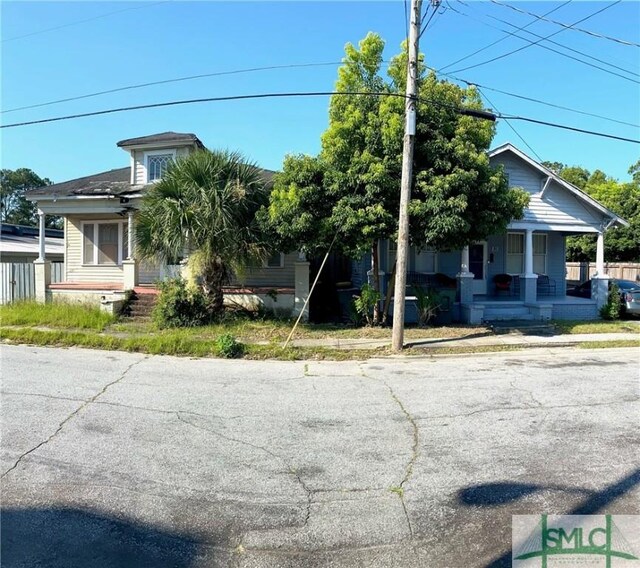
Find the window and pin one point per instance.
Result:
(104, 243)
(157, 165)
(392, 255)
(515, 253)
(540, 253)
(275, 261)
(426, 261)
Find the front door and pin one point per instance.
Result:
(478, 265)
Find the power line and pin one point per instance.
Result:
(498, 40)
(528, 41)
(175, 80)
(433, 13)
(145, 5)
(575, 29)
(566, 47)
(537, 41)
(461, 110)
(512, 127)
(553, 105)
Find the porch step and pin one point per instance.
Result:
(141, 305)
(506, 313)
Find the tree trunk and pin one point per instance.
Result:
(214, 276)
(389, 294)
(375, 268)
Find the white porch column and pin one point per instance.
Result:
(529, 280)
(130, 266)
(41, 236)
(130, 230)
(465, 279)
(600, 255)
(42, 266)
(528, 253)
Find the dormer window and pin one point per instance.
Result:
(157, 164)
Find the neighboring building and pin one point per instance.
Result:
(521, 274)
(19, 243)
(531, 254)
(99, 222)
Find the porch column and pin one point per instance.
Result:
(600, 255)
(41, 236)
(529, 280)
(42, 265)
(130, 266)
(301, 292)
(465, 278)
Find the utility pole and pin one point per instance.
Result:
(405, 185)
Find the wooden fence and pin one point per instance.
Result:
(581, 271)
(18, 280)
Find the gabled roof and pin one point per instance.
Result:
(112, 182)
(508, 147)
(162, 138)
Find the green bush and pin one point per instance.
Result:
(180, 306)
(228, 347)
(366, 302)
(611, 310)
(428, 303)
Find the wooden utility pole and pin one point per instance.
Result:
(405, 185)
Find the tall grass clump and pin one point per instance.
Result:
(55, 314)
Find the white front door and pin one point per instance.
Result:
(478, 265)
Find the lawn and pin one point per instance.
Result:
(65, 324)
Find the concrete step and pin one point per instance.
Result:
(507, 313)
(524, 327)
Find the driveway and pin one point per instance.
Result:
(114, 459)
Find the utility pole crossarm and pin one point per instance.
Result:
(405, 185)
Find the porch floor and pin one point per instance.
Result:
(84, 286)
(569, 300)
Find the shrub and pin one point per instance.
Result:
(366, 302)
(228, 347)
(611, 310)
(428, 304)
(180, 306)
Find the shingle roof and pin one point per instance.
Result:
(162, 138)
(112, 182)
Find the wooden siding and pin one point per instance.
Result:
(558, 206)
(276, 277)
(75, 271)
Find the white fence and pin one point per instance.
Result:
(18, 280)
(580, 271)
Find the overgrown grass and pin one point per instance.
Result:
(610, 344)
(620, 326)
(56, 314)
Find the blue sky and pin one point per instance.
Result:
(152, 41)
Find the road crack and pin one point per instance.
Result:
(72, 415)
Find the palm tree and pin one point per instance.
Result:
(205, 207)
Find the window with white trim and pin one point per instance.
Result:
(157, 165)
(275, 261)
(104, 242)
(540, 253)
(515, 253)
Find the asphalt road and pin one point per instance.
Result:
(116, 460)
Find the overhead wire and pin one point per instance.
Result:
(462, 110)
(37, 32)
(499, 40)
(502, 56)
(574, 28)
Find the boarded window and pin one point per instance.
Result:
(275, 261)
(515, 253)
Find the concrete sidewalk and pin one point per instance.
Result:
(471, 341)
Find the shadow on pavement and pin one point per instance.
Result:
(79, 539)
(494, 494)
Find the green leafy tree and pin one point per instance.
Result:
(205, 207)
(14, 206)
(352, 187)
